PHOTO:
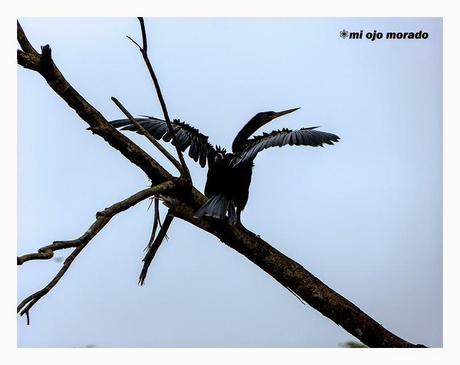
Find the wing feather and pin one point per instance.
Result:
(186, 135)
(301, 137)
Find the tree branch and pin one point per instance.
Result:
(102, 218)
(47, 252)
(146, 133)
(23, 41)
(156, 221)
(295, 278)
(44, 65)
(154, 246)
(185, 173)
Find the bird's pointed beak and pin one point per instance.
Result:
(284, 112)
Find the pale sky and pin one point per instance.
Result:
(364, 215)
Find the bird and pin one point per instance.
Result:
(229, 173)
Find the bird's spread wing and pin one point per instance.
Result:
(301, 137)
(186, 135)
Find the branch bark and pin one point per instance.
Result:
(184, 202)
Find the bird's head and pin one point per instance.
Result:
(257, 121)
(265, 117)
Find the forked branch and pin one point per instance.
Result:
(102, 218)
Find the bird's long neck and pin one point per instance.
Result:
(246, 132)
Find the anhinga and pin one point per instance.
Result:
(229, 174)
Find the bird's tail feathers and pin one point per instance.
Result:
(217, 207)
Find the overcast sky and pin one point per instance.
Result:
(364, 215)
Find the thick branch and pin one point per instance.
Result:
(102, 218)
(44, 65)
(23, 41)
(296, 278)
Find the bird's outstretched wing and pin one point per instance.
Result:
(301, 137)
(186, 135)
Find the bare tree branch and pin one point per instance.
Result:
(182, 203)
(153, 244)
(146, 133)
(185, 173)
(43, 64)
(23, 41)
(102, 218)
(25, 306)
(295, 278)
(153, 248)
(47, 252)
(156, 222)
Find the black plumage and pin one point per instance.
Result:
(186, 135)
(229, 174)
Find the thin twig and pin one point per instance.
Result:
(25, 306)
(185, 173)
(156, 220)
(146, 133)
(132, 40)
(102, 218)
(154, 247)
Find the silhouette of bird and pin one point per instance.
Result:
(229, 174)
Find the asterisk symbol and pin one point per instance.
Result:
(344, 33)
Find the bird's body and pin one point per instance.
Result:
(228, 185)
(229, 174)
